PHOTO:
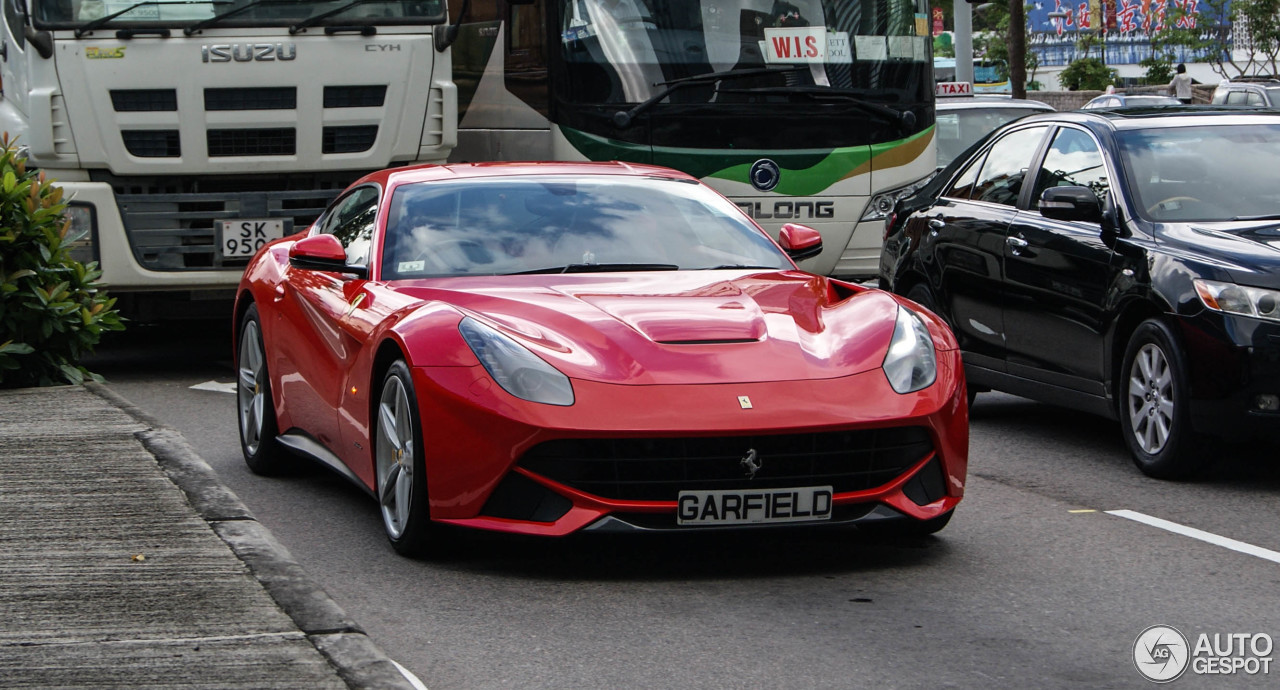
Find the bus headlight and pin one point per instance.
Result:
(882, 204)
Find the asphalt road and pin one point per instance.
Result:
(1034, 583)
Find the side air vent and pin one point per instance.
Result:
(282, 141)
(152, 143)
(350, 139)
(264, 98)
(354, 96)
(144, 100)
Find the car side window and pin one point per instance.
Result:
(1237, 98)
(1073, 160)
(1254, 99)
(963, 186)
(1000, 181)
(351, 220)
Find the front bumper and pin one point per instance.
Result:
(480, 442)
(1235, 366)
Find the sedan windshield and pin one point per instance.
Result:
(555, 224)
(1207, 174)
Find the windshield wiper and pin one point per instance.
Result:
(107, 19)
(725, 267)
(312, 21)
(1265, 216)
(622, 119)
(599, 268)
(904, 118)
(205, 23)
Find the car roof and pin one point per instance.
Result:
(977, 102)
(1141, 117)
(457, 171)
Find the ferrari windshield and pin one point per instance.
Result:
(1207, 174)
(625, 51)
(181, 14)
(566, 224)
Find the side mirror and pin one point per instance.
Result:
(322, 253)
(1077, 204)
(800, 242)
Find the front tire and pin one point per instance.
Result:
(254, 405)
(1154, 404)
(401, 472)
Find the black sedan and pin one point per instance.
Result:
(1137, 276)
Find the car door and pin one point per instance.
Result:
(1057, 274)
(319, 346)
(966, 236)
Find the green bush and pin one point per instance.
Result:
(52, 310)
(1159, 71)
(1087, 74)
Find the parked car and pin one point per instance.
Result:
(546, 348)
(1120, 100)
(1255, 91)
(963, 120)
(1126, 263)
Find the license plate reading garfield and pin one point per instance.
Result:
(747, 507)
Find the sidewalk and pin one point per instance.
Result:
(125, 563)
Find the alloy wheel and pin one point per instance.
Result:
(395, 457)
(251, 391)
(1151, 398)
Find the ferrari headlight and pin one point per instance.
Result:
(882, 204)
(911, 363)
(1238, 299)
(519, 371)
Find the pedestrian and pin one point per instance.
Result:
(1180, 87)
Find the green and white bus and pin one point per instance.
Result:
(810, 111)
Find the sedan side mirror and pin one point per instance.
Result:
(800, 241)
(1071, 204)
(323, 253)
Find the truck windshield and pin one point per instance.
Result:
(622, 51)
(178, 14)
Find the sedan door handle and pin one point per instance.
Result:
(936, 223)
(1016, 242)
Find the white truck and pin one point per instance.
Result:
(187, 133)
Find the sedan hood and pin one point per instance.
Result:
(1250, 250)
(685, 327)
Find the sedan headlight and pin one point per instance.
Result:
(882, 204)
(1238, 299)
(911, 363)
(519, 371)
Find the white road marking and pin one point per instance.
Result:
(408, 675)
(1224, 542)
(215, 387)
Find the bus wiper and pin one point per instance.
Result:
(312, 21)
(205, 23)
(904, 118)
(599, 268)
(622, 119)
(107, 19)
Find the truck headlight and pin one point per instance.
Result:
(911, 363)
(519, 371)
(80, 240)
(1230, 298)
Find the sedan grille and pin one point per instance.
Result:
(658, 469)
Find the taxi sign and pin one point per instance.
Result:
(953, 88)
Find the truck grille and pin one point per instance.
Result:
(349, 139)
(144, 100)
(272, 141)
(170, 220)
(657, 469)
(257, 98)
(152, 143)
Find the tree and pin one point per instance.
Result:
(992, 34)
(1253, 26)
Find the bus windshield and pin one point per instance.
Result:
(87, 15)
(626, 51)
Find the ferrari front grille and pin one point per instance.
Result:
(657, 469)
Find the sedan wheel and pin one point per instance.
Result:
(257, 412)
(402, 486)
(1154, 404)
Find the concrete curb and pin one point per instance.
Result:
(359, 662)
